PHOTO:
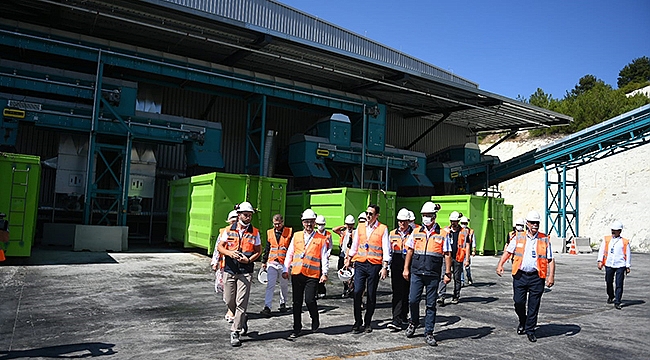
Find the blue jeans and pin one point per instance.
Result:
(609, 280)
(418, 282)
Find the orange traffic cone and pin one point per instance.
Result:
(2, 255)
(572, 249)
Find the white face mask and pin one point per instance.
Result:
(427, 220)
(519, 227)
(321, 228)
(243, 223)
(463, 225)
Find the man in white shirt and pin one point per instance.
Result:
(614, 254)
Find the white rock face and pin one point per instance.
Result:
(613, 188)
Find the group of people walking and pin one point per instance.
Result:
(422, 260)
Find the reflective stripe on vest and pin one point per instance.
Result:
(462, 237)
(370, 249)
(278, 249)
(397, 240)
(625, 244)
(422, 244)
(307, 261)
(520, 248)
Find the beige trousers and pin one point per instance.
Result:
(236, 290)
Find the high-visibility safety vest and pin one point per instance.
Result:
(428, 252)
(307, 261)
(463, 236)
(397, 240)
(278, 248)
(245, 244)
(370, 249)
(518, 256)
(626, 242)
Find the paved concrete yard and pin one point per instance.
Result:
(161, 304)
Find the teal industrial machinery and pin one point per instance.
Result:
(327, 155)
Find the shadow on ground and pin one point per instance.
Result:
(70, 351)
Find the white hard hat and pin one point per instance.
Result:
(231, 215)
(262, 276)
(349, 219)
(533, 216)
(520, 221)
(411, 216)
(616, 225)
(454, 216)
(429, 207)
(245, 206)
(320, 219)
(362, 216)
(464, 219)
(308, 214)
(345, 274)
(403, 214)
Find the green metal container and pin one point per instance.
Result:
(508, 221)
(336, 203)
(207, 199)
(20, 179)
(486, 216)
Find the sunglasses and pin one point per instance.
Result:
(534, 222)
(369, 213)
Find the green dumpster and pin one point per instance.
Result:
(20, 178)
(207, 199)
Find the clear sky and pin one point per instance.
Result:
(508, 47)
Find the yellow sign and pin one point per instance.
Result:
(13, 113)
(322, 152)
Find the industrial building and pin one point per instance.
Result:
(159, 90)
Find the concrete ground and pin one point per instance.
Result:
(160, 304)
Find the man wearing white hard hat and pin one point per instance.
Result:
(308, 262)
(362, 217)
(532, 265)
(615, 255)
(320, 228)
(217, 264)
(370, 253)
(412, 223)
(459, 253)
(399, 285)
(428, 254)
(468, 234)
(345, 233)
(241, 246)
(278, 240)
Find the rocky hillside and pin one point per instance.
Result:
(612, 188)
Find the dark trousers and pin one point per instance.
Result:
(531, 286)
(400, 288)
(365, 273)
(609, 280)
(418, 283)
(456, 270)
(303, 287)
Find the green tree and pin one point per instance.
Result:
(638, 71)
(585, 84)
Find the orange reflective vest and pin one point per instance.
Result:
(626, 242)
(518, 256)
(278, 248)
(307, 261)
(428, 252)
(463, 236)
(245, 244)
(397, 241)
(370, 249)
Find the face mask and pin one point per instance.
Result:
(427, 220)
(321, 228)
(463, 225)
(243, 223)
(519, 227)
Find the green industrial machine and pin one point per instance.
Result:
(200, 205)
(20, 177)
(487, 216)
(336, 203)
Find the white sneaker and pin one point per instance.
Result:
(234, 339)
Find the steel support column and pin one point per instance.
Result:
(561, 203)
(252, 129)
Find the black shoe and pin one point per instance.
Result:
(367, 329)
(618, 306)
(410, 330)
(356, 329)
(395, 325)
(266, 311)
(454, 300)
(520, 330)
(315, 324)
(283, 308)
(532, 337)
(610, 300)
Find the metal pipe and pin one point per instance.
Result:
(363, 148)
(509, 135)
(577, 204)
(91, 140)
